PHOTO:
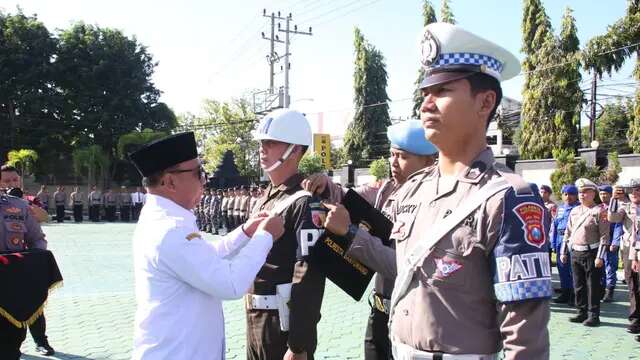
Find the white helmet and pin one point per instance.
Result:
(287, 126)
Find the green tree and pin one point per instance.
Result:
(568, 170)
(609, 51)
(23, 159)
(28, 97)
(612, 126)
(379, 169)
(611, 174)
(428, 17)
(92, 161)
(311, 164)
(129, 142)
(106, 81)
(552, 98)
(228, 126)
(446, 15)
(365, 138)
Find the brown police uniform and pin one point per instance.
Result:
(628, 214)
(372, 252)
(484, 286)
(286, 263)
(77, 203)
(125, 206)
(60, 198)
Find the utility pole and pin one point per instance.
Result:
(592, 115)
(287, 66)
(273, 56)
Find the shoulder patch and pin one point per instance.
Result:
(531, 216)
(193, 236)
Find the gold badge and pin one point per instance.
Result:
(193, 236)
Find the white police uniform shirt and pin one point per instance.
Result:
(181, 280)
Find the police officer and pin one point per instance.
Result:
(471, 239)
(137, 199)
(77, 203)
(223, 209)
(60, 199)
(95, 204)
(43, 195)
(410, 151)
(19, 230)
(558, 227)
(586, 238)
(610, 274)
(110, 201)
(287, 282)
(628, 213)
(125, 204)
(181, 279)
(545, 193)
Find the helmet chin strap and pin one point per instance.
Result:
(282, 159)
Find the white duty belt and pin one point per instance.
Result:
(406, 352)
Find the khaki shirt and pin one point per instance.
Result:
(76, 198)
(485, 285)
(44, 198)
(286, 264)
(110, 199)
(19, 229)
(60, 198)
(594, 229)
(629, 215)
(95, 198)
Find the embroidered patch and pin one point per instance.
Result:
(13, 210)
(445, 267)
(193, 236)
(15, 240)
(531, 215)
(15, 226)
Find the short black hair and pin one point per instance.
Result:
(482, 82)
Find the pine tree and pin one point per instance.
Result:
(428, 16)
(446, 15)
(365, 138)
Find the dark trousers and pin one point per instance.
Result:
(633, 280)
(125, 213)
(136, 211)
(38, 331)
(110, 212)
(60, 213)
(610, 276)
(586, 281)
(265, 341)
(376, 339)
(564, 271)
(77, 213)
(11, 339)
(94, 213)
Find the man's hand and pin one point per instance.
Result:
(251, 225)
(635, 266)
(599, 263)
(613, 248)
(316, 183)
(293, 356)
(39, 213)
(564, 258)
(338, 219)
(274, 225)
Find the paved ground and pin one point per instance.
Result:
(91, 316)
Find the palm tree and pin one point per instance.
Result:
(23, 159)
(92, 160)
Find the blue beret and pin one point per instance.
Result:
(605, 188)
(409, 136)
(569, 189)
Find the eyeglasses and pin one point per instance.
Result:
(200, 169)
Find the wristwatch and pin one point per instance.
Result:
(352, 230)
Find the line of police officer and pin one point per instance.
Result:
(226, 208)
(127, 204)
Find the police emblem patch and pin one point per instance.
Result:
(430, 49)
(531, 215)
(15, 240)
(446, 266)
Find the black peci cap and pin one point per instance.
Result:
(162, 154)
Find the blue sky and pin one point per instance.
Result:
(213, 49)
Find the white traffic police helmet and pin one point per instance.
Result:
(287, 126)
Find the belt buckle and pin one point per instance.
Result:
(379, 303)
(248, 302)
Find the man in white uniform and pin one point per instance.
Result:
(181, 279)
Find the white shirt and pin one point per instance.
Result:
(181, 280)
(138, 197)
